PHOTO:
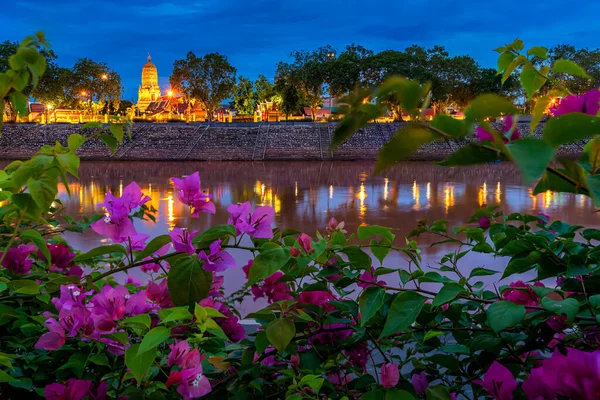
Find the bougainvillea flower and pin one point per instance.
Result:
(420, 383)
(246, 268)
(257, 224)
(334, 226)
(230, 323)
(319, 298)
(544, 218)
(190, 380)
(331, 334)
(305, 242)
(203, 204)
(524, 297)
(137, 242)
(60, 257)
(116, 225)
(182, 240)
(54, 339)
(187, 188)
(272, 289)
(16, 259)
(75, 389)
(69, 295)
(587, 103)
(217, 260)
(159, 294)
(484, 222)
(133, 197)
(75, 319)
(510, 127)
(117, 302)
(368, 278)
(152, 266)
(557, 323)
(358, 355)
(390, 376)
(217, 284)
(499, 382)
(179, 351)
(132, 281)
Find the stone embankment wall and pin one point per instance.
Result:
(229, 142)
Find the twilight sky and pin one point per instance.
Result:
(256, 34)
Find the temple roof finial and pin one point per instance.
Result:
(149, 58)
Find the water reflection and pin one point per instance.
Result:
(305, 195)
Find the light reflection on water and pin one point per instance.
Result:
(306, 194)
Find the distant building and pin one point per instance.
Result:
(149, 91)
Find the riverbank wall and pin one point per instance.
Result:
(233, 142)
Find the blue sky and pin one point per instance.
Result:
(256, 34)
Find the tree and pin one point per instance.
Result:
(589, 60)
(287, 97)
(264, 90)
(96, 85)
(349, 70)
(244, 98)
(209, 79)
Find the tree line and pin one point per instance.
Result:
(301, 82)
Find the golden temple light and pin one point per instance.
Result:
(331, 191)
(104, 77)
(548, 195)
(170, 93)
(170, 212)
(362, 195)
(498, 192)
(448, 197)
(83, 93)
(482, 194)
(428, 193)
(120, 187)
(296, 188)
(416, 195)
(385, 188)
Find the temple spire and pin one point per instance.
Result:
(149, 58)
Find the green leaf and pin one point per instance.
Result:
(99, 251)
(431, 335)
(593, 184)
(110, 141)
(188, 282)
(153, 338)
(117, 131)
(69, 162)
(280, 333)
(368, 231)
(405, 141)
(174, 314)
(370, 301)
(471, 154)
(569, 67)
(44, 189)
(139, 363)
(155, 244)
(437, 393)
(359, 116)
(271, 258)
(539, 52)
(141, 320)
(532, 156)
(357, 257)
(4, 377)
(489, 105)
(30, 235)
(520, 59)
(403, 312)
(19, 102)
(571, 127)
(504, 60)
(569, 307)
(100, 359)
(215, 232)
(409, 94)
(451, 126)
(448, 293)
(75, 141)
(24, 286)
(531, 80)
(504, 314)
(541, 104)
(482, 272)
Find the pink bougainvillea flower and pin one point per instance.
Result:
(137, 242)
(246, 268)
(60, 257)
(587, 103)
(499, 382)
(217, 260)
(69, 295)
(484, 222)
(217, 284)
(182, 240)
(294, 252)
(319, 298)
(333, 264)
(203, 204)
(334, 226)
(420, 383)
(557, 323)
(189, 193)
(524, 297)
(133, 197)
(544, 218)
(358, 355)
(510, 127)
(305, 242)
(191, 382)
(16, 258)
(117, 302)
(159, 294)
(75, 389)
(132, 281)
(390, 376)
(573, 376)
(179, 351)
(256, 224)
(268, 361)
(116, 225)
(368, 278)
(331, 334)
(272, 289)
(54, 339)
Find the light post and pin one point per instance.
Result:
(104, 77)
(170, 96)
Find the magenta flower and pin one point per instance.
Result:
(132, 281)
(190, 380)
(60, 257)
(203, 204)
(420, 383)
(70, 295)
(557, 323)
(358, 355)
(331, 334)
(587, 103)
(484, 222)
(524, 297)
(217, 284)
(334, 226)
(305, 242)
(155, 266)
(368, 278)
(574, 376)
(390, 376)
(510, 127)
(117, 302)
(267, 361)
(16, 259)
(545, 218)
(179, 351)
(257, 224)
(272, 289)
(319, 298)
(189, 193)
(499, 382)
(182, 240)
(116, 225)
(230, 323)
(159, 294)
(137, 242)
(246, 268)
(133, 197)
(54, 339)
(75, 389)
(217, 260)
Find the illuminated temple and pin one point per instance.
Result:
(149, 90)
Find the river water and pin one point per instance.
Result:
(305, 195)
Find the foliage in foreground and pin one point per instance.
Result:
(345, 318)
